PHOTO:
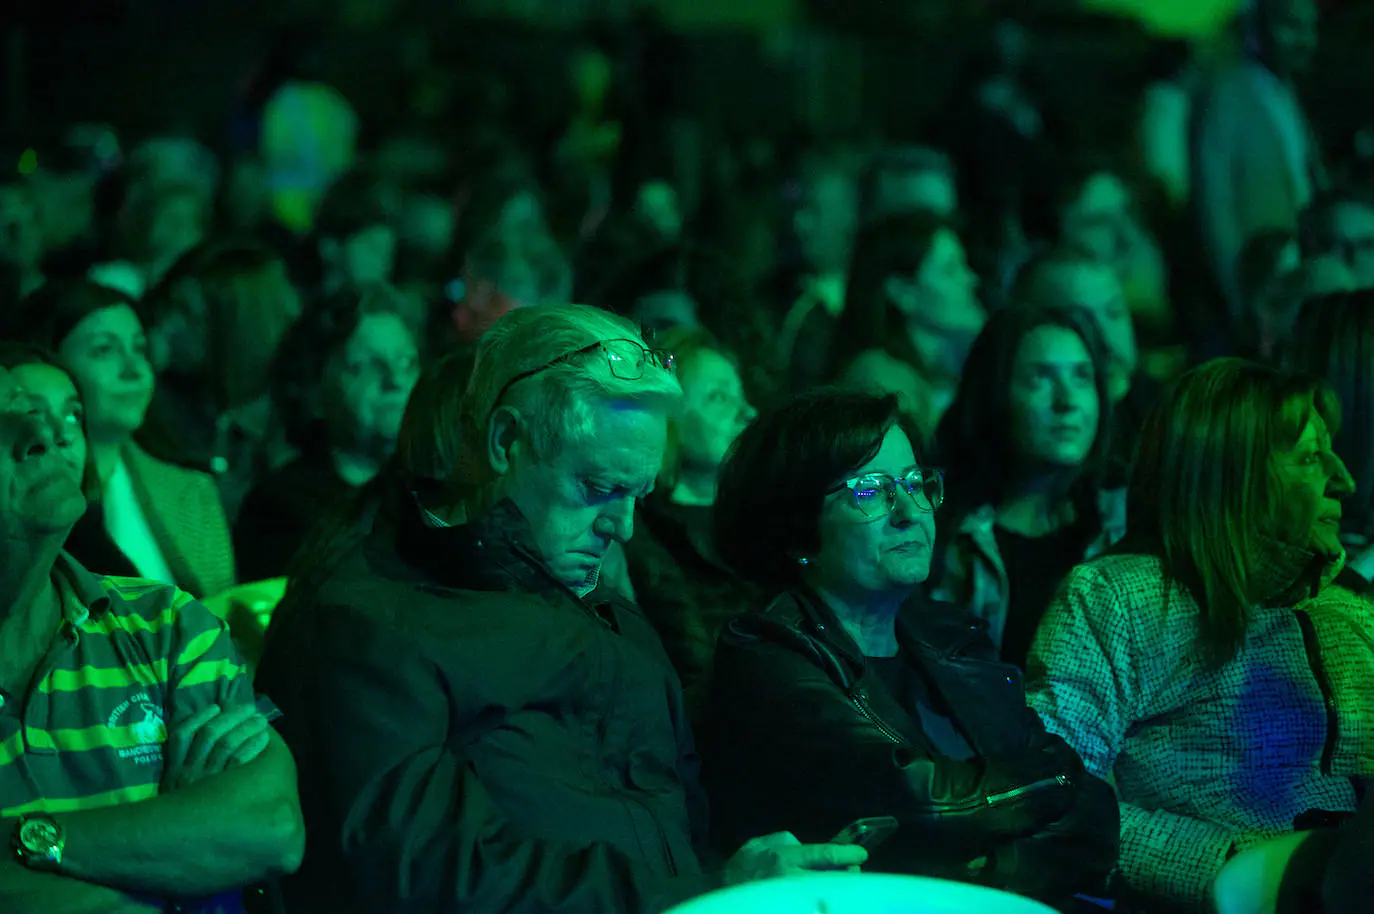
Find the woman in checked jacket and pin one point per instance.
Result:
(1184, 666)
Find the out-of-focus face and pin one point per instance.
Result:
(1312, 480)
(941, 300)
(177, 226)
(1053, 398)
(21, 242)
(581, 498)
(714, 410)
(522, 221)
(40, 487)
(1352, 225)
(875, 555)
(66, 206)
(669, 308)
(1095, 288)
(51, 389)
(949, 286)
(369, 256)
(1288, 35)
(108, 354)
(366, 392)
(1098, 222)
(657, 205)
(826, 221)
(925, 191)
(427, 224)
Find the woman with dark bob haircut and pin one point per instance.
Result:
(845, 698)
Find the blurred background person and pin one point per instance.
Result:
(166, 519)
(21, 239)
(911, 314)
(342, 378)
(1025, 443)
(810, 290)
(1256, 161)
(909, 179)
(214, 326)
(354, 235)
(1087, 208)
(679, 581)
(157, 224)
(1340, 225)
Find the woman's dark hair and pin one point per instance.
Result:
(894, 245)
(775, 480)
(1334, 340)
(240, 296)
(315, 340)
(48, 316)
(15, 355)
(974, 438)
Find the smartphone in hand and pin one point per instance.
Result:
(867, 833)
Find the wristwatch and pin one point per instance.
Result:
(38, 842)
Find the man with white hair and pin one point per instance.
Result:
(480, 726)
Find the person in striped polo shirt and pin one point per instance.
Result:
(137, 771)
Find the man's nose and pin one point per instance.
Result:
(618, 520)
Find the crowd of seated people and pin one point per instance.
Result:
(350, 568)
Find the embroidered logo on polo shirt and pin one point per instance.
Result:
(147, 728)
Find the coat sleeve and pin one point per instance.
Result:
(418, 830)
(1084, 683)
(778, 720)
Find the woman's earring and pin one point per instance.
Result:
(803, 561)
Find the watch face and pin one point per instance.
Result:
(38, 835)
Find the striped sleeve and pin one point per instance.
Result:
(204, 666)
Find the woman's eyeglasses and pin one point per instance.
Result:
(628, 360)
(875, 494)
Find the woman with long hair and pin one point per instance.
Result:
(911, 312)
(1025, 444)
(1185, 665)
(165, 518)
(214, 324)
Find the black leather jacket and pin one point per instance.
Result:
(799, 737)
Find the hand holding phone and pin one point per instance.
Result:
(867, 833)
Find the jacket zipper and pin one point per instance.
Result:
(1011, 796)
(1314, 659)
(861, 702)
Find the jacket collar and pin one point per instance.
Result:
(921, 628)
(492, 553)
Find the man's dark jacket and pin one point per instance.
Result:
(472, 736)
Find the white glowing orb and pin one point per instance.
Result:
(859, 893)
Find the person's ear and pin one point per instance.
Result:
(506, 438)
(899, 290)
